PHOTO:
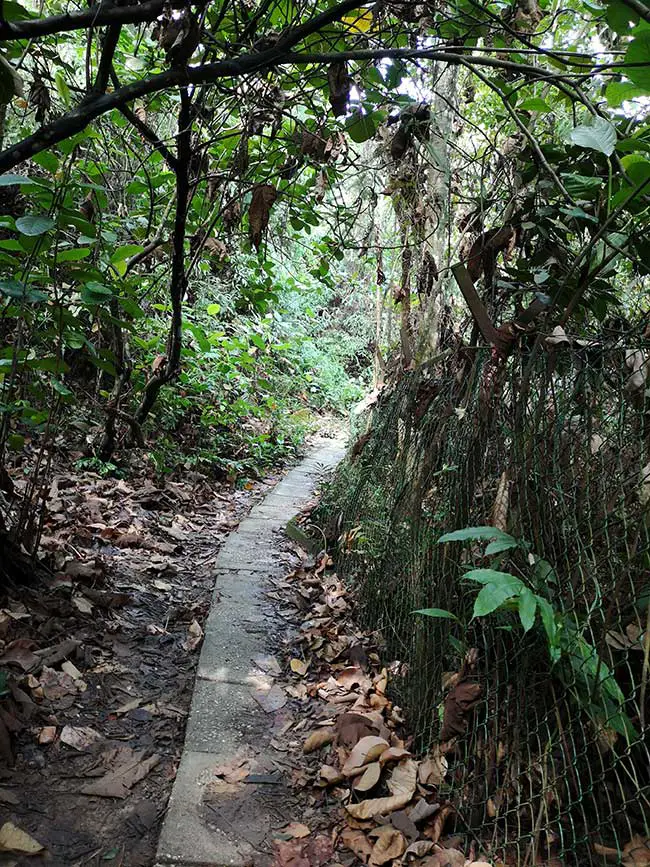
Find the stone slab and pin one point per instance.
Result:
(226, 720)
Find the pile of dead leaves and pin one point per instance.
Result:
(390, 808)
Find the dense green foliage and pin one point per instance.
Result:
(213, 215)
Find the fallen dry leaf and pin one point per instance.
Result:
(369, 779)
(194, 636)
(351, 727)
(390, 844)
(357, 842)
(47, 735)
(401, 783)
(636, 853)
(296, 830)
(419, 849)
(442, 857)
(422, 811)
(14, 839)
(393, 754)
(329, 776)
(318, 739)
(433, 829)
(288, 853)
(367, 750)
(128, 767)
(271, 699)
(79, 737)
(300, 666)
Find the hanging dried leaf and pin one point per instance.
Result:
(433, 769)
(458, 704)
(264, 195)
(39, 98)
(339, 86)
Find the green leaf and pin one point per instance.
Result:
(47, 161)
(213, 309)
(638, 53)
(527, 608)
(9, 179)
(476, 533)
(121, 256)
(22, 292)
(361, 127)
(535, 104)
(491, 598)
(620, 17)
(436, 612)
(493, 576)
(599, 136)
(499, 546)
(618, 91)
(33, 225)
(73, 255)
(95, 293)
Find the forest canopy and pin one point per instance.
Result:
(199, 199)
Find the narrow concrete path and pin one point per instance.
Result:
(209, 822)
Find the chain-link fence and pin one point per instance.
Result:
(552, 447)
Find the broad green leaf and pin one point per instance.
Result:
(62, 87)
(618, 91)
(73, 255)
(548, 619)
(9, 179)
(213, 309)
(21, 292)
(620, 17)
(499, 546)
(33, 225)
(493, 576)
(599, 136)
(359, 21)
(436, 612)
(473, 534)
(638, 55)
(492, 598)
(47, 161)
(95, 293)
(122, 254)
(527, 608)
(361, 127)
(535, 104)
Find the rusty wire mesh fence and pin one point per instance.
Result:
(553, 448)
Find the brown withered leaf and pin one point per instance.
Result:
(369, 779)
(394, 754)
(339, 82)
(357, 842)
(296, 830)
(433, 769)
(367, 750)
(433, 829)
(20, 652)
(329, 776)
(351, 727)
(264, 195)
(460, 701)
(442, 857)
(419, 849)
(318, 739)
(401, 784)
(390, 844)
(288, 853)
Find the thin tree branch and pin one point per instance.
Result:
(95, 106)
(109, 45)
(144, 129)
(97, 15)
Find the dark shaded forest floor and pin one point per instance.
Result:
(101, 661)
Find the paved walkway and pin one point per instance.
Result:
(207, 823)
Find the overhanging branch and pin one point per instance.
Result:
(97, 15)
